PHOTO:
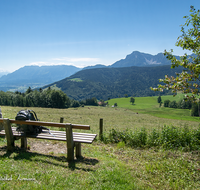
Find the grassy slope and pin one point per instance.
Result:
(149, 105)
(104, 166)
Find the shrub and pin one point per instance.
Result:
(173, 104)
(169, 137)
(195, 110)
(185, 104)
(153, 138)
(139, 138)
(166, 103)
(75, 103)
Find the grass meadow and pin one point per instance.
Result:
(104, 166)
(149, 105)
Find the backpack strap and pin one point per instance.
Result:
(34, 114)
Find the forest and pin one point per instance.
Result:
(49, 98)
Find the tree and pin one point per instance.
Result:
(29, 90)
(92, 102)
(59, 99)
(159, 100)
(40, 90)
(188, 80)
(75, 103)
(173, 104)
(166, 103)
(195, 109)
(132, 100)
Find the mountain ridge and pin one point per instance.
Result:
(35, 76)
(137, 58)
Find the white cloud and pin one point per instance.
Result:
(39, 63)
(77, 62)
(77, 59)
(3, 70)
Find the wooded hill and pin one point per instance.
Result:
(104, 83)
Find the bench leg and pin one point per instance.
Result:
(78, 150)
(9, 135)
(70, 143)
(24, 143)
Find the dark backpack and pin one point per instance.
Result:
(24, 115)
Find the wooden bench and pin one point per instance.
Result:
(73, 139)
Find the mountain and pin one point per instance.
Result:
(3, 73)
(139, 59)
(94, 67)
(35, 76)
(104, 83)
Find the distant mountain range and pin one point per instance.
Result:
(3, 73)
(35, 76)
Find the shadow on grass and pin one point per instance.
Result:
(20, 154)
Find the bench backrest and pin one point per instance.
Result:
(51, 124)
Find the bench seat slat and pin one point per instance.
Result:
(63, 132)
(74, 133)
(61, 139)
(55, 137)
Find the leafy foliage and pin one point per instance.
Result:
(182, 104)
(46, 98)
(170, 137)
(188, 80)
(159, 99)
(132, 100)
(195, 109)
(173, 104)
(166, 103)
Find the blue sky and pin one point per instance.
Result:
(87, 32)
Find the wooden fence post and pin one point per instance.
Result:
(9, 135)
(61, 119)
(101, 129)
(70, 143)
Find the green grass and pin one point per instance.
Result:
(149, 105)
(76, 80)
(117, 118)
(53, 87)
(104, 166)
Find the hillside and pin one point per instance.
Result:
(104, 83)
